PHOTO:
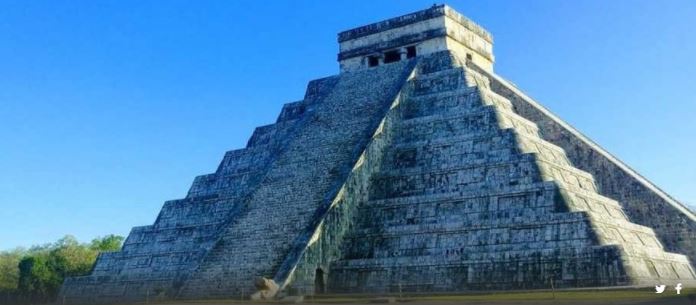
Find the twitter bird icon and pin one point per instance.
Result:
(660, 288)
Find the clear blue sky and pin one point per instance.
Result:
(109, 108)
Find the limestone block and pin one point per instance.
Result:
(266, 289)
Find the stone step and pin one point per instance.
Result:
(545, 150)
(433, 216)
(464, 251)
(169, 247)
(444, 73)
(245, 159)
(447, 116)
(481, 165)
(292, 111)
(434, 127)
(442, 81)
(438, 103)
(449, 158)
(164, 233)
(492, 98)
(551, 251)
(502, 191)
(469, 223)
(464, 92)
(459, 100)
(568, 175)
(273, 134)
(482, 137)
(236, 169)
(595, 196)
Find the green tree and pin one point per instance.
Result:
(42, 269)
(107, 243)
(9, 269)
(36, 277)
(69, 258)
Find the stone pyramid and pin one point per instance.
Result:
(415, 169)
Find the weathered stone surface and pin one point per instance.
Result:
(303, 179)
(427, 174)
(643, 202)
(471, 197)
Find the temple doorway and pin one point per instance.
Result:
(319, 282)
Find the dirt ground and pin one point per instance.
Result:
(665, 301)
(609, 297)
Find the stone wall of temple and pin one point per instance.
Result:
(436, 29)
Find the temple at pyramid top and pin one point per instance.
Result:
(437, 28)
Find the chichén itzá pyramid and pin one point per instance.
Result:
(415, 169)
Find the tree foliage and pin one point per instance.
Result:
(9, 269)
(107, 243)
(37, 273)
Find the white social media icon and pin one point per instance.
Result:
(678, 288)
(660, 289)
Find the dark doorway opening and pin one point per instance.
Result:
(319, 282)
(391, 56)
(411, 52)
(372, 61)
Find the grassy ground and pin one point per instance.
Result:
(583, 297)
